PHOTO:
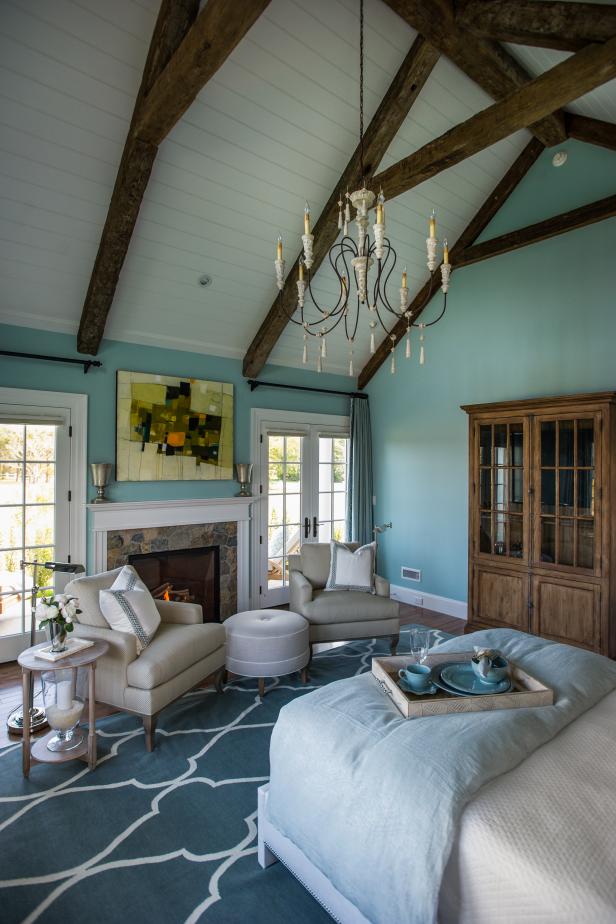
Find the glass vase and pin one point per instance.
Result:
(57, 637)
(64, 704)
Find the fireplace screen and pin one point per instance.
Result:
(184, 575)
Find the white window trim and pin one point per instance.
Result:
(77, 406)
(330, 424)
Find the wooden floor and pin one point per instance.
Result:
(10, 673)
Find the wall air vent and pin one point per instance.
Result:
(411, 574)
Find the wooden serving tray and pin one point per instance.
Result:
(527, 690)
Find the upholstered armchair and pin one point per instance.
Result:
(183, 652)
(339, 615)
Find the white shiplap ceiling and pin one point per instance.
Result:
(275, 126)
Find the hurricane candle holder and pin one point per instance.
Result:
(64, 703)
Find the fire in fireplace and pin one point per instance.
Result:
(186, 575)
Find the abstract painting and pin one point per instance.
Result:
(173, 429)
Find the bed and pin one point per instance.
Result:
(525, 831)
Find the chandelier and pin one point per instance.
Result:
(370, 288)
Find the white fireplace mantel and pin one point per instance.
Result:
(105, 518)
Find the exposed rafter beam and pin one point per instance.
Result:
(219, 28)
(186, 49)
(483, 60)
(383, 128)
(547, 24)
(582, 72)
(540, 231)
(478, 223)
(593, 131)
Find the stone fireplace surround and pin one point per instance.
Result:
(120, 529)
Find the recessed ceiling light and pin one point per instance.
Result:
(559, 159)
(205, 280)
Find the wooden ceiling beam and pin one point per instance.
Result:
(577, 75)
(540, 231)
(477, 224)
(383, 128)
(486, 62)
(187, 47)
(216, 32)
(545, 24)
(593, 131)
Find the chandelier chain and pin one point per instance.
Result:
(361, 90)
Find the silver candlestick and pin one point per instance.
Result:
(101, 472)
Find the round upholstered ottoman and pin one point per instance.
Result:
(267, 643)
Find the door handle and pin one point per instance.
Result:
(315, 526)
(306, 528)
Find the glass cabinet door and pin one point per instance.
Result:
(500, 521)
(566, 527)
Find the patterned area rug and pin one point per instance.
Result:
(164, 837)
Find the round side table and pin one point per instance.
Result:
(37, 750)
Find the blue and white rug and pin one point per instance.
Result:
(164, 837)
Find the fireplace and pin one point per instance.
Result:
(188, 575)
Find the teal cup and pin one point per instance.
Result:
(417, 676)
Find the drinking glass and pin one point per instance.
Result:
(420, 644)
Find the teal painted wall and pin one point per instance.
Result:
(99, 385)
(539, 321)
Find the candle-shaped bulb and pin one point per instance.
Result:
(301, 270)
(279, 248)
(445, 252)
(404, 278)
(306, 219)
(432, 225)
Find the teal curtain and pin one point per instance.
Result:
(359, 499)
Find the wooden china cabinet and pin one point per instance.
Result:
(542, 550)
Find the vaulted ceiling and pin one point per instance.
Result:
(276, 125)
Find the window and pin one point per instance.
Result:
(333, 467)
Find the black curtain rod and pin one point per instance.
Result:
(86, 363)
(255, 383)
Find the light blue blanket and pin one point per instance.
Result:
(374, 800)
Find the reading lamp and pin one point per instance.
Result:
(377, 532)
(38, 719)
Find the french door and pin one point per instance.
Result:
(37, 488)
(302, 484)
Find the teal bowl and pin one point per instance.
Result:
(498, 671)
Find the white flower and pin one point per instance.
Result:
(51, 611)
(42, 610)
(68, 607)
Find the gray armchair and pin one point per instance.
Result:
(183, 652)
(339, 615)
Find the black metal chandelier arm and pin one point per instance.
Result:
(426, 302)
(436, 320)
(351, 337)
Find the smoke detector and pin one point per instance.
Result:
(559, 159)
(205, 281)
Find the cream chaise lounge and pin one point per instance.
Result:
(339, 615)
(183, 652)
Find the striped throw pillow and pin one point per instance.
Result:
(128, 606)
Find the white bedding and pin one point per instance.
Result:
(546, 830)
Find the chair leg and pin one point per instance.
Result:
(149, 727)
(304, 674)
(219, 681)
(261, 688)
(393, 642)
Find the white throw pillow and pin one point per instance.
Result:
(128, 606)
(351, 570)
